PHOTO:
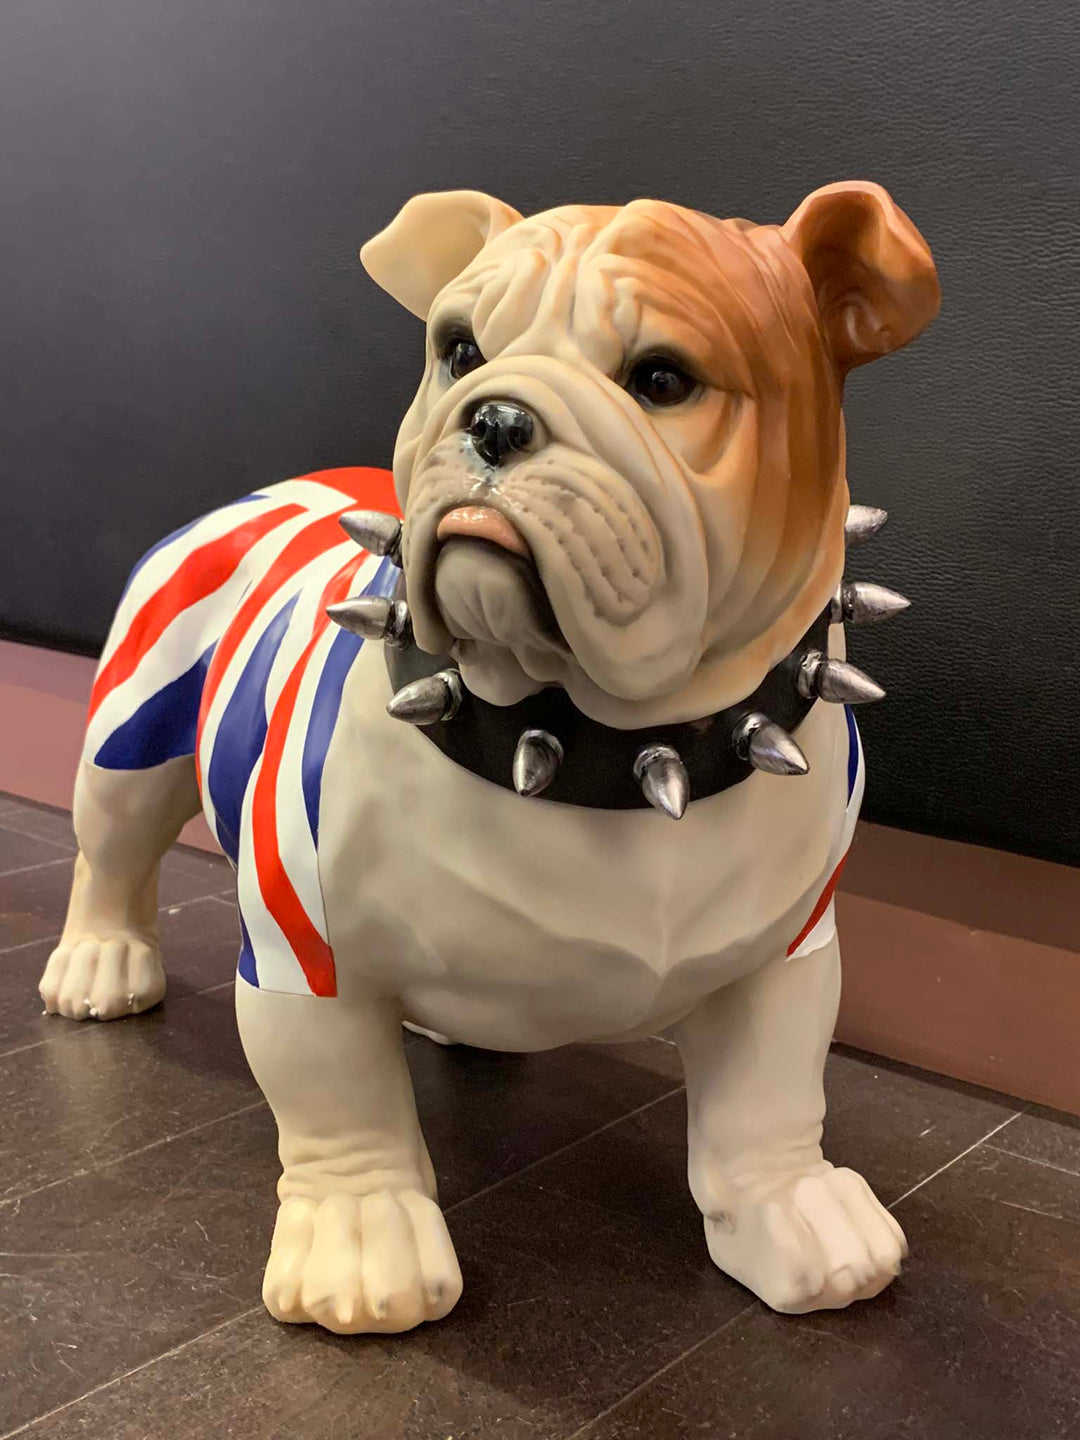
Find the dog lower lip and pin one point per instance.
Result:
(481, 522)
(525, 567)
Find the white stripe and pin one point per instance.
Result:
(318, 496)
(314, 578)
(161, 567)
(185, 638)
(318, 499)
(820, 935)
(825, 929)
(295, 845)
(268, 612)
(180, 645)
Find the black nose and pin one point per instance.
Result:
(499, 430)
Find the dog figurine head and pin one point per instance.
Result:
(623, 472)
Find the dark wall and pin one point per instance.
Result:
(185, 183)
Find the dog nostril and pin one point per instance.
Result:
(499, 429)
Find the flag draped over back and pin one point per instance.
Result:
(221, 649)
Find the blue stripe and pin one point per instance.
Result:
(246, 963)
(853, 751)
(241, 733)
(176, 534)
(327, 700)
(163, 727)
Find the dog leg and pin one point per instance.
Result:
(360, 1243)
(778, 1217)
(108, 963)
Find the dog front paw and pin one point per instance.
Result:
(102, 977)
(358, 1264)
(811, 1241)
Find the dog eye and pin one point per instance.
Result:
(462, 354)
(659, 381)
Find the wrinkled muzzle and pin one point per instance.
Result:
(613, 590)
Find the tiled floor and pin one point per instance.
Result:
(137, 1166)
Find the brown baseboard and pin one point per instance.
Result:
(43, 699)
(956, 958)
(963, 960)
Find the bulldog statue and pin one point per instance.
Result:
(606, 575)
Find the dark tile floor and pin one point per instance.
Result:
(137, 1170)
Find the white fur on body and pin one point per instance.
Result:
(539, 924)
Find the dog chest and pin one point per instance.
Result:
(521, 924)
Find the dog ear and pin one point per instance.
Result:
(871, 270)
(430, 240)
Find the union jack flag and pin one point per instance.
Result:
(221, 649)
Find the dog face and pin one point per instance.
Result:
(624, 469)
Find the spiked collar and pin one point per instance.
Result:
(545, 744)
(545, 737)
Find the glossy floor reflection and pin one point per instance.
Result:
(137, 1188)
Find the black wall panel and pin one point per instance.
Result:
(184, 184)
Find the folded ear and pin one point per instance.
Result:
(430, 240)
(871, 270)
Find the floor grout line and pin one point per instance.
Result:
(644, 1384)
(184, 1134)
(84, 1027)
(66, 845)
(25, 944)
(1031, 1160)
(131, 1155)
(562, 1149)
(942, 1168)
(55, 937)
(21, 1049)
(135, 1369)
(41, 865)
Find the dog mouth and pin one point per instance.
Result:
(481, 522)
(545, 574)
(486, 586)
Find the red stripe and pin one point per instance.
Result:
(370, 488)
(374, 489)
(819, 909)
(199, 574)
(280, 898)
(311, 542)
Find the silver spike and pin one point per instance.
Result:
(837, 681)
(374, 531)
(374, 617)
(861, 602)
(536, 761)
(663, 779)
(768, 746)
(863, 523)
(435, 697)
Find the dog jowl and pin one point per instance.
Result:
(608, 569)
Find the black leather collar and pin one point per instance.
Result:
(598, 763)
